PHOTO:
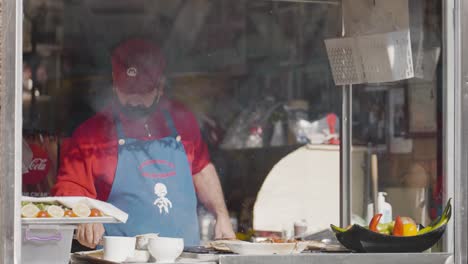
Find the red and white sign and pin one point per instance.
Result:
(39, 166)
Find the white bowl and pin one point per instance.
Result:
(118, 249)
(165, 249)
(142, 240)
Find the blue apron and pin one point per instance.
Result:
(153, 184)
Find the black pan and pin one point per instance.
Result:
(360, 239)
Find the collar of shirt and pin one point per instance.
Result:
(152, 127)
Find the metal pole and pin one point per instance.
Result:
(461, 132)
(450, 119)
(11, 31)
(346, 148)
(346, 145)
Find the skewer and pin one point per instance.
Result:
(375, 169)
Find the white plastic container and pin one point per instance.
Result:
(384, 208)
(45, 244)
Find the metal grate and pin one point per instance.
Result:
(345, 62)
(371, 59)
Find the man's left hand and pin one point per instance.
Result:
(211, 195)
(223, 228)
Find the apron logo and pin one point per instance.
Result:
(164, 169)
(162, 202)
(132, 72)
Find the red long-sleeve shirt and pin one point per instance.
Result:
(89, 163)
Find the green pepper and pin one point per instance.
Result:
(386, 228)
(439, 221)
(383, 229)
(337, 229)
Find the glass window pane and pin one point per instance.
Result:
(401, 122)
(247, 84)
(119, 97)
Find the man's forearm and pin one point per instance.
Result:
(209, 191)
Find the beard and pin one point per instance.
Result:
(138, 111)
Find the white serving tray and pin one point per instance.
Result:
(68, 220)
(112, 213)
(95, 257)
(247, 248)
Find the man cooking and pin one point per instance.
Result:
(145, 155)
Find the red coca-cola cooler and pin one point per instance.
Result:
(39, 164)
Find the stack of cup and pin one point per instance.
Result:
(300, 228)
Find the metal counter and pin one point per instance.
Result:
(344, 258)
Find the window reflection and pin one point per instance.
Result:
(254, 73)
(257, 77)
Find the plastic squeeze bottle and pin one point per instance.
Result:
(384, 208)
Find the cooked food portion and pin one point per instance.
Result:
(278, 240)
(57, 210)
(220, 245)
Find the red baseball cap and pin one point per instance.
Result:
(137, 66)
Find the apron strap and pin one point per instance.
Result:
(170, 123)
(118, 124)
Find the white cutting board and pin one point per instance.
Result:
(305, 184)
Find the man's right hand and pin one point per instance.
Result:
(89, 235)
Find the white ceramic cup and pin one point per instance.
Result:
(118, 249)
(165, 249)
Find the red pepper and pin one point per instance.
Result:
(375, 222)
(398, 228)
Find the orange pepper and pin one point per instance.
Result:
(398, 229)
(375, 222)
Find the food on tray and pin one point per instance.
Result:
(220, 245)
(402, 226)
(82, 210)
(29, 210)
(225, 245)
(57, 210)
(278, 240)
(259, 248)
(95, 213)
(42, 214)
(69, 213)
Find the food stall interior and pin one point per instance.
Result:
(259, 79)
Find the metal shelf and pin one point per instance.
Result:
(311, 2)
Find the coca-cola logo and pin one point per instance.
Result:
(39, 166)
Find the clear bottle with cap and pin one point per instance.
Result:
(300, 228)
(277, 139)
(384, 208)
